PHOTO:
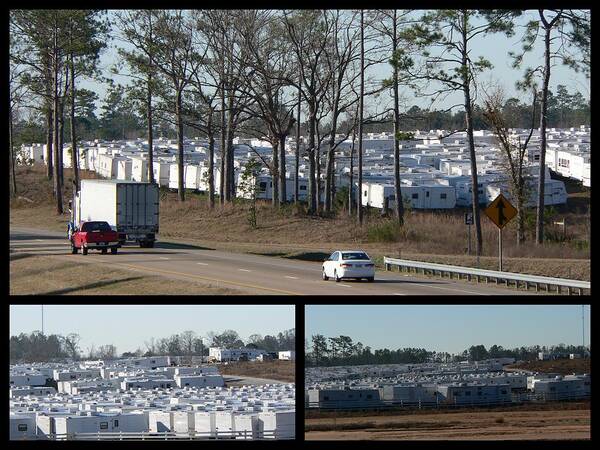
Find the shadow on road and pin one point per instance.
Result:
(16, 256)
(268, 253)
(89, 286)
(29, 237)
(178, 246)
(310, 256)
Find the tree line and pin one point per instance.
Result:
(342, 350)
(38, 347)
(271, 74)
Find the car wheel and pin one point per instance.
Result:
(84, 250)
(113, 251)
(325, 277)
(335, 275)
(104, 251)
(371, 279)
(73, 249)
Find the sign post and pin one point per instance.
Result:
(500, 211)
(469, 222)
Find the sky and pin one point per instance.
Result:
(495, 48)
(450, 328)
(129, 326)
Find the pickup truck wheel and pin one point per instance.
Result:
(84, 250)
(73, 249)
(113, 251)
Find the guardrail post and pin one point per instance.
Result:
(569, 290)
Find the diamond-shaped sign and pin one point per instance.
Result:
(500, 211)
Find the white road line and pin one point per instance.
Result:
(450, 289)
(245, 270)
(345, 285)
(398, 293)
(292, 278)
(202, 264)
(40, 240)
(163, 257)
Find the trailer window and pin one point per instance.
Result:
(116, 424)
(443, 196)
(104, 425)
(415, 196)
(22, 427)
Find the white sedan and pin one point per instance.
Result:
(348, 264)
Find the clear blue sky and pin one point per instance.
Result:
(450, 328)
(129, 326)
(494, 47)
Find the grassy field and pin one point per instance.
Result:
(427, 236)
(274, 370)
(68, 278)
(561, 366)
(553, 422)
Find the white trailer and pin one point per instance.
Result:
(139, 169)
(182, 421)
(130, 208)
(159, 421)
(102, 423)
(161, 172)
(245, 426)
(282, 423)
(22, 427)
(124, 167)
(204, 422)
(224, 422)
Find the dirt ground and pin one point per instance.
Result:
(501, 425)
(561, 366)
(284, 371)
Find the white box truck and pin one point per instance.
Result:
(130, 208)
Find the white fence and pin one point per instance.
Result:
(286, 434)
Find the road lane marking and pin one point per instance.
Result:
(291, 278)
(170, 272)
(450, 289)
(163, 257)
(345, 285)
(202, 264)
(398, 293)
(245, 270)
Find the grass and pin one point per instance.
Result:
(68, 278)
(435, 236)
(273, 370)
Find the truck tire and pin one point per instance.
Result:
(149, 244)
(73, 249)
(104, 251)
(113, 251)
(84, 250)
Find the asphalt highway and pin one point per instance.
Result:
(250, 274)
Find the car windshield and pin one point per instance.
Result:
(354, 255)
(95, 226)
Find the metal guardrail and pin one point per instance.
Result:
(519, 279)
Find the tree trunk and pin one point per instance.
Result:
(318, 166)
(282, 178)
(351, 186)
(55, 113)
(150, 136)
(211, 163)
(539, 228)
(11, 152)
(311, 160)
(180, 177)
(74, 151)
(61, 143)
(49, 139)
(469, 125)
(275, 174)
(228, 149)
(329, 179)
(399, 207)
(296, 188)
(223, 141)
(360, 117)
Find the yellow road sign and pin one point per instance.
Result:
(500, 211)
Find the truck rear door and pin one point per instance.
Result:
(137, 207)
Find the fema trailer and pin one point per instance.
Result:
(22, 427)
(130, 208)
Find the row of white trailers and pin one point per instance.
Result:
(209, 424)
(440, 196)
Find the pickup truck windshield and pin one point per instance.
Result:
(354, 255)
(95, 226)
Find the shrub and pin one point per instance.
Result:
(388, 231)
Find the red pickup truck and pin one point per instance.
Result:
(96, 236)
